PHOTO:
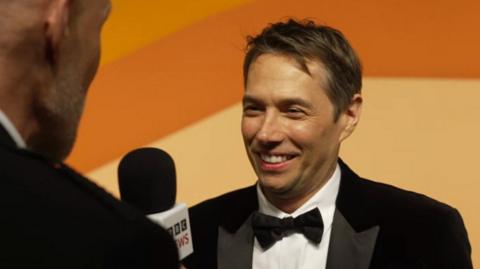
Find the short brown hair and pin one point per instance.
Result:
(303, 41)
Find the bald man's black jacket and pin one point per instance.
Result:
(375, 226)
(52, 217)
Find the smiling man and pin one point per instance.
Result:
(308, 209)
(291, 132)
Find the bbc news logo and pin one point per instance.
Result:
(178, 228)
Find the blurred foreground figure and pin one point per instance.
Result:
(308, 210)
(50, 216)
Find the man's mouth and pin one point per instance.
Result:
(273, 159)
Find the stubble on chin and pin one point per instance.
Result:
(285, 198)
(276, 190)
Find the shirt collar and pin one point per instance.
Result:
(11, 130)
(324, 199)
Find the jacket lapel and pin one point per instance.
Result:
(235, 233)
(5, 138)
(235, 250)
(354, 229)
(353, 237)
(349, 249)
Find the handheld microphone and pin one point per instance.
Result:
(147, 181)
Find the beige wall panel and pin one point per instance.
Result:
(418, 134)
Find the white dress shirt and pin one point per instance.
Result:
(11, 130)
(295, 251)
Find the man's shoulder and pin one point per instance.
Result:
(406, 203)
(398, 211)
(71, 217)
(382, 196)
(413, 226)
(366, 203)
(37, 178)
(37, 183)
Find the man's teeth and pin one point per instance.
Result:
(274, 158)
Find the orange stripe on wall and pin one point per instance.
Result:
(134, 24)
(156, 91)
(197, 71)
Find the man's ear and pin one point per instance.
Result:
(56, 25)
(352, 116)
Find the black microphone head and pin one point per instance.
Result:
(147, 180)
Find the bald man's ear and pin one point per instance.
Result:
(56, 25)
(351, 116)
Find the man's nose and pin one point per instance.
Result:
(271, 129)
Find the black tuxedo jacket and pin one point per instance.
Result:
(51, 217)
(375, 226)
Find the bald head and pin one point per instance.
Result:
(20, 22)
(49, 54)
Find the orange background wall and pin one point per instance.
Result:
(171, 77)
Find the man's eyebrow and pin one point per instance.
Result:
(296, 101)
(249, 99)
(283, 102)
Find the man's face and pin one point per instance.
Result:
(288, 127)
(60, 107)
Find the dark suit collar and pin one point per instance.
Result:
(353, 237)
(353, 201)
(235, 234)
(348, 248)
(237, 207)
(235, 250)
(7, 142)
(5, 138)
(354, 232)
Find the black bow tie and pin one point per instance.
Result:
(270, 229)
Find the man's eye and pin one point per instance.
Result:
(295, 112)
(251, 110)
